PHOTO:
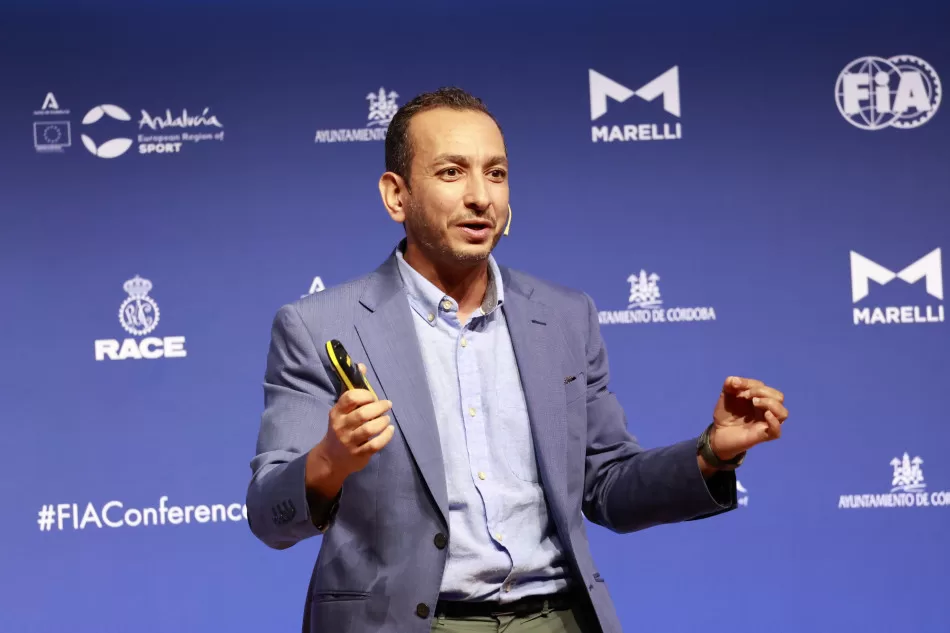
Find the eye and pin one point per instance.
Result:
(498, 174)
(450, 172)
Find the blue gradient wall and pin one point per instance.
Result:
(754, 212)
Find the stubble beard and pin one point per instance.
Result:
(429, 239)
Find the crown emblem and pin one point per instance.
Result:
(139, 313)
(137, 287)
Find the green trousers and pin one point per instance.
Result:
(547, 621)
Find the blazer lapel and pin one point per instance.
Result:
(537, 343)
(389, 338)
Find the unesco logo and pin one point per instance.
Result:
(874, 93)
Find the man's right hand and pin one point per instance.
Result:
(358, 429)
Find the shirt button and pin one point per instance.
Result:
(422, 610)
(471, 411)
(481, 475)
(498, 537)
(431, 317)
(507, 587)
(446, 304)
(464, 343)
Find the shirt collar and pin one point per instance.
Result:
(428, 301)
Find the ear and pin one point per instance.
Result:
(393, 190)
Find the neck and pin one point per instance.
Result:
(466, 284)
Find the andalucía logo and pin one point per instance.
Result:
(908, 489)
(139, 316)
(166, 134)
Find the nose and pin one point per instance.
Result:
(476, 196)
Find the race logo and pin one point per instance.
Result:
(928, 268)
(743, 495)
(908, 489)
(139, 316)
(172, 132)
(645, 305)
(315, 286)
(139, 313)
(382, 109)
(51, 135)
(874, 93)
(666, 85)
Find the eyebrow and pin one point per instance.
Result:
(462, 160)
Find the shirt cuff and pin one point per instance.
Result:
(322, 510)
(722, 487)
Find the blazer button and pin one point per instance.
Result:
(440, 540)
(422, 610)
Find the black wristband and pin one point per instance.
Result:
(704, 449)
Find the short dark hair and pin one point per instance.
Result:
(398, 145)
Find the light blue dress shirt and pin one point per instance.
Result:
(502, 544)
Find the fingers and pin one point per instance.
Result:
(774, 429)
(363, 414)
(762, 392)
(352, 399)
(377, 443)
(751, 388)
(364, 433)
(736, 384)
(776, 408)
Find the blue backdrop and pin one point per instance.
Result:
(782, 169)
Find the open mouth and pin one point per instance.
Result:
(476, 225)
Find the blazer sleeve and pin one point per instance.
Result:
(628, 488)
(298, 396)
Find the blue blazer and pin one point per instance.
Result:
(380, 563)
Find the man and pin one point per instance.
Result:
(455, 502)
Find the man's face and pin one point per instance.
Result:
(458, 205)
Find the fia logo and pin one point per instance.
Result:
(666, 85)
(139, 316)
(928, 268)
(873, 93)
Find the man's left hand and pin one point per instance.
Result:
(749, 412)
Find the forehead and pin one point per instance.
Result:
(459, 132)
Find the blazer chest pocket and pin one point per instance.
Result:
(575, 386)
(338, 596)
